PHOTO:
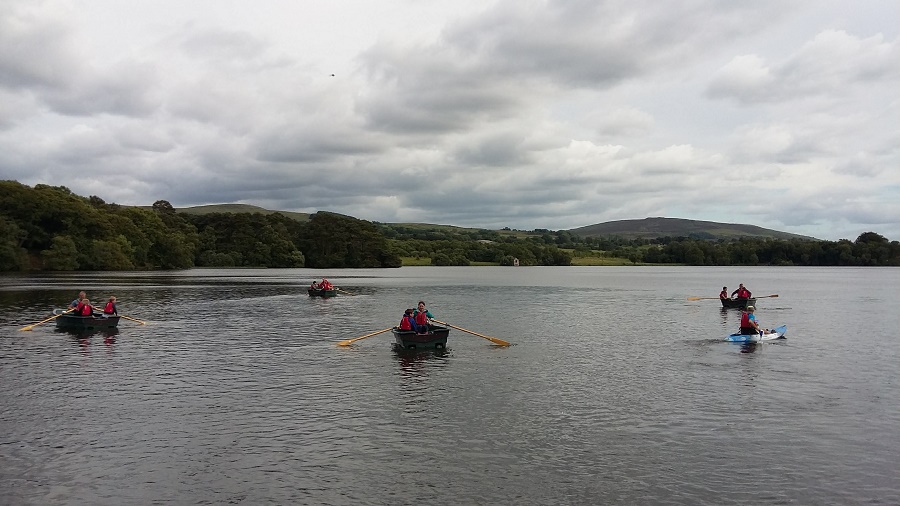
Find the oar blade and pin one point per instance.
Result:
(348, 342)
(33, 325)
(494, 340)
(500, 342)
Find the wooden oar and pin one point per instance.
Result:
(344, 291)
(501, 342)
(349, 341)
(132, 319)
(29, 327)
(716, 298)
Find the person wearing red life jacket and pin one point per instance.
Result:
(407, 322)
(110, 308)
(749, 325)
(422, 317)
(724, 293)
(84, 308)
(742, 292)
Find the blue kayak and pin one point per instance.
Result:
(776, 333)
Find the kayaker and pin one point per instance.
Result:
(749, 325)
(422, 317)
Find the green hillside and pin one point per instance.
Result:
(650, 228)
(239, 208)
(647, 228)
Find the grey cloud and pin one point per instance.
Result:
(833, 62)
(496, 150)
(36, 51)
(313, 144)
(121, 90)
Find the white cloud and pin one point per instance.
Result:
(535, 114)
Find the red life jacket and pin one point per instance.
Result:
(421, 319)
(744, 294)
(110, 308)
(745, 320)
(405, 323)
(86, 310)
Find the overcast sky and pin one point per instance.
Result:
(515, 113)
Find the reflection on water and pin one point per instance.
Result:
(415, 363)
(235, 390)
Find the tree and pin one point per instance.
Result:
(62, 255)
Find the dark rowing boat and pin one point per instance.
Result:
(436, 338)
(69, 321)
(738, 303)
(316, 292)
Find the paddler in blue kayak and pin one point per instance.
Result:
(749, 325)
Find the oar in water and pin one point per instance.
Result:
(33, 325)
(494, 340)
(132, 319)
(344, 291)
(350, 341)
(765, 296)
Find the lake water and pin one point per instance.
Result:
(617, 389)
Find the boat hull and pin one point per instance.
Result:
(738, 303)
(776, 333)
(321, 293)
(436, 338)
(72, 322)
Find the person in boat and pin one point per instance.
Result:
(408, 322)
(741, 292)
(74, 304)
(422, 318)
(314, 285)
(724, 293)
(749, 325)
(84, 308)
(110, 308)
(326, 285)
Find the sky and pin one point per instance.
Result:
(489, 114)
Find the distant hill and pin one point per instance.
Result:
(650, 228)
(238, 208)
(647, 228)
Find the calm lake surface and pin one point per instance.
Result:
(617, 389)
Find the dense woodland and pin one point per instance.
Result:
(50, 228)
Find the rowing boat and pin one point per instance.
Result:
(738, 303)
(776, 333)
(93, 322)
(318, 292)
(435, 338)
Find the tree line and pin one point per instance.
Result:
(50, 228)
